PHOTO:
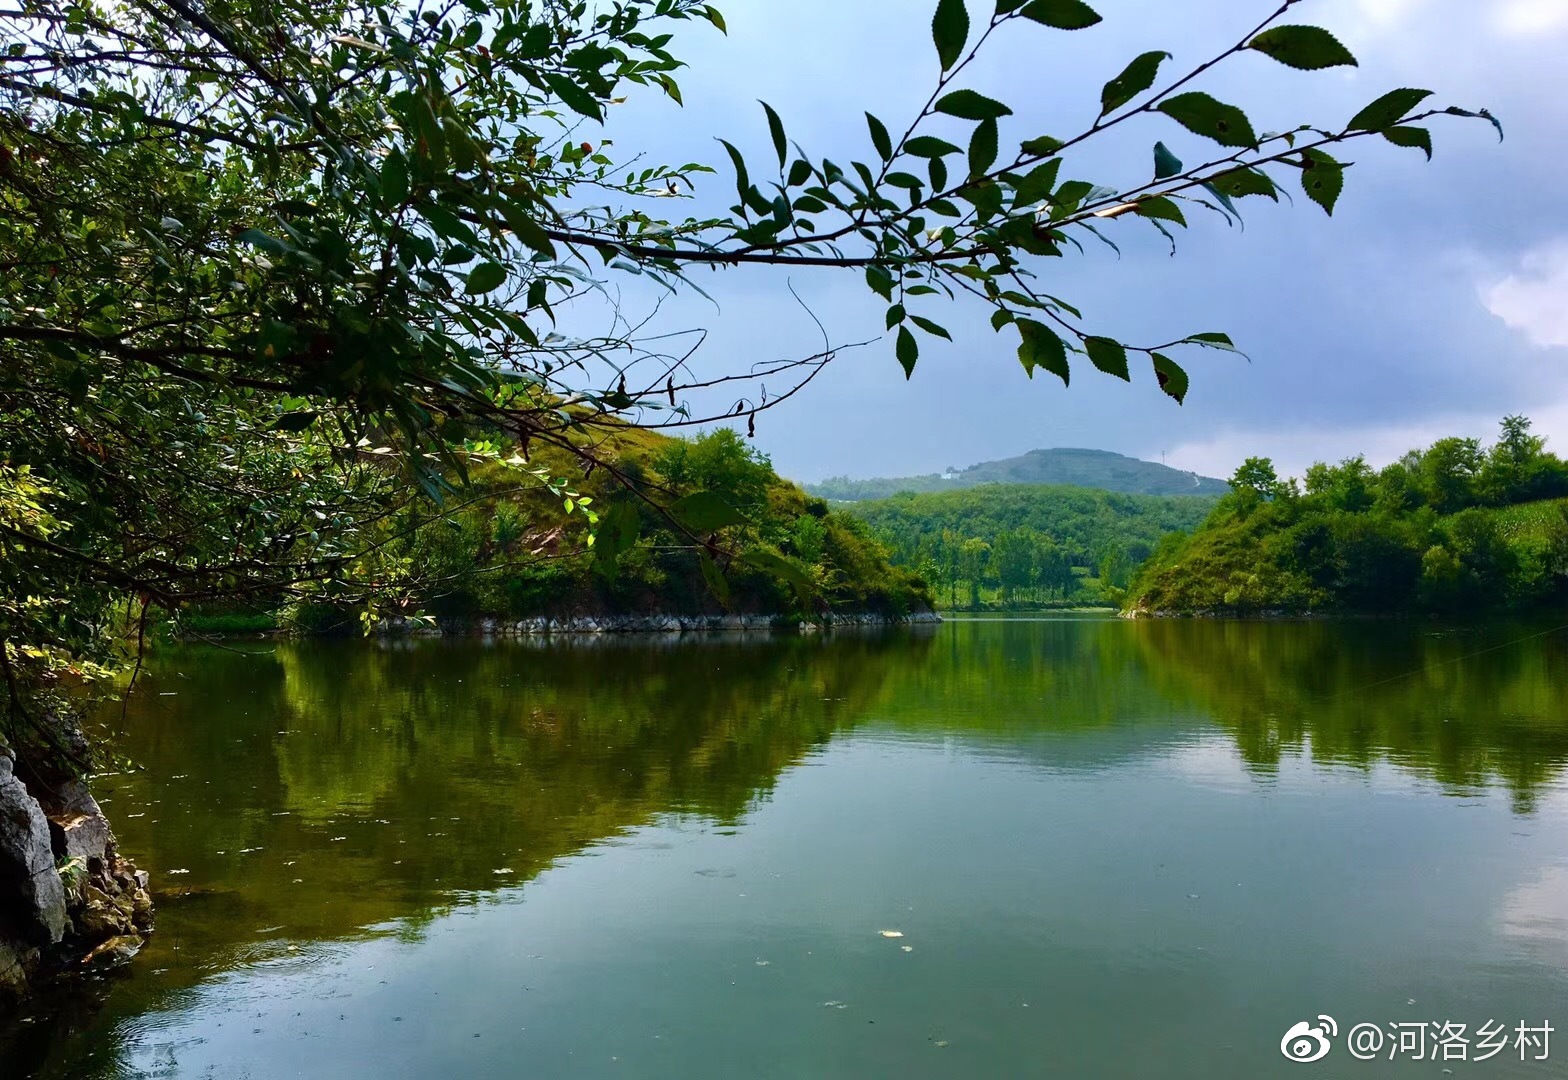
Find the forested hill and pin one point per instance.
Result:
(1077, 468)
(1006, 545)
(511, 547)
(1455, 528)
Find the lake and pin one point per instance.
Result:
(1073, 847)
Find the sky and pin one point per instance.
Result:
(1433, 303)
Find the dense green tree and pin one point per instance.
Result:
(1013, 562)
(1347, 486)
(1448, 473)
(1448, 529)
(974, 557)
(1060, 527)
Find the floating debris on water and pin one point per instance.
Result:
(891, 933)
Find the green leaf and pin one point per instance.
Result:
(1388, 110)
(776, 129)
(615, 536)
(1224, 200)
(1038, 185)
(795, 575)
(1070, 194)
(526, 229)
(983, 148)
(1481, 114)
(705, 512)
(1244, 182)
(1172, 376)
(1213, 119)
(715, 578)
(880, 280)
(1212, 340)
(266, 242)
(950, 29)
(1307, 48)
(295, 421)
(968, 105)
(1412, 137)
(486, 277)
(742, 177)
(573, 95)
(985, 196)
(1322, 178)
(928, 146)
(1042, 348)
(930, 327)
(907, 350)
(394, 178)
(1138, 77)
(1166, 164)
(1043, 146)
(1062, 14)
(880, 138)
(895, 315)
(1161, 209)
(1109, 356)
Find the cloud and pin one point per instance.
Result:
(1506, 18)
(1387, 12)
(1293, 449)
(1534, 300)
(1520, 17)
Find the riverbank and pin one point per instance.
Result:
(75, 905)
(641, 624)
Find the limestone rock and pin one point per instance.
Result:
(81, 836)
(114, 952)
(16, 963)
(27, 871)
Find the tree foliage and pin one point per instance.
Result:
(1453, 528)
(278, 269)
(1041, 543)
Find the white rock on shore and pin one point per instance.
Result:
(655, 623)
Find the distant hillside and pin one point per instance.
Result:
(1002, 545)
(1075, 468)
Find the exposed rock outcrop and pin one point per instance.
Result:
(67, 898)
(32, 898)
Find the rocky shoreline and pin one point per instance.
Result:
(71, 901)
(544, 626)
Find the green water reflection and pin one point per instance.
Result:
(1066, 800)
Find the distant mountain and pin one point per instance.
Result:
(1077, 468)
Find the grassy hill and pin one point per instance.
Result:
(1452, 529)
(1013, 545)
(1077, 468)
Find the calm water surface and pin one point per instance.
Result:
(1111, 850)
